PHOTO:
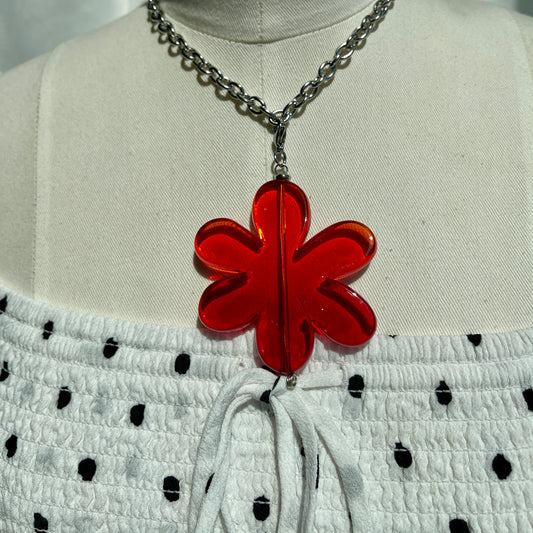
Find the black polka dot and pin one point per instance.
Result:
(64, 397)
(40, 523)
(110, 347)
(444, 395)
(4, 374)
(261, 508)
(171, 488)
(87, 468)
(356, 385)
(474, 338)
(402, 456)
(209, 482)
(265, 397)
(528, 397)
(137, 414)
(457, 525)
(11, 445)
(48, 329)
(501, 466)
(317, 470)
(3, 304)
(182, 363)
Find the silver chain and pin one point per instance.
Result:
(280, 118)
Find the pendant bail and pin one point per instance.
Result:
(281, 170)
(291, 381)
(281, 133)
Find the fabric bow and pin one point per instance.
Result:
(291, 407)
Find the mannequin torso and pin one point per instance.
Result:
(114, 155)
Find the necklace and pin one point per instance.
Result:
(270, 278)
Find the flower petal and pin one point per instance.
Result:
(226, 246)
(230, 304)
(284, 344)
(280, 207)
(340, 313)
(337, 251)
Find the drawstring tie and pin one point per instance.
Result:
(291, 406)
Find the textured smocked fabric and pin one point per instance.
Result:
(109, 426)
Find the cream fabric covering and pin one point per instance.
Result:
(113, 155)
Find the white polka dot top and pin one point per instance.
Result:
(115, 426)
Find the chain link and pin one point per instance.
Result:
(255, 104)
(281, 117)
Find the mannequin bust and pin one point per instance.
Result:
(115, 152)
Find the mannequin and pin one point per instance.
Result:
(114, 154)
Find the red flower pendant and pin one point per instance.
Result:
(287, 287)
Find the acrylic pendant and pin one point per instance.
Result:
(286, 287)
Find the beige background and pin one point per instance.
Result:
(113, 153)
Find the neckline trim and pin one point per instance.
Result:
(25, 320)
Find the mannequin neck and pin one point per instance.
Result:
(256, 21)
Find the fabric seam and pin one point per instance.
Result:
(36, 176)
(37, 165)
